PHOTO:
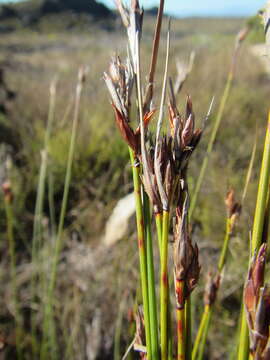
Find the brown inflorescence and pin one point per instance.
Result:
(8, 195)
(211, 289)
(233, 208)
(186, 255)
(257, 306)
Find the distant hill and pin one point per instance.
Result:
(77, 6)
(31, 12)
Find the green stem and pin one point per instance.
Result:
(151, 280)
(257, 233)
(200, 333)
(243, 346)
(262, 193)
(142, 250)
(188, 328)
(181, 325)
(158, 218)
(211, 143)
(49, 327)
(164, 287)
(205, 333)
(223, 255)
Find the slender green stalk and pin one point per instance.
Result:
(200, 333)
(257, 232)
(51, 202)
(59, 239)
(142, 250)
(181, 325)
(37, 229)
(262, 193)
(164, 287)
(170, 330)
(223, 255)
(188, 328)
(205, 332)
(158, 218)
(49, 326)
(151, 279)
(211, 143)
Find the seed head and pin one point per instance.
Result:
(185, 137)
(132, 19)
(186, 254)
(257, 301)
(119, 81)
(211, 288)
(7, 190)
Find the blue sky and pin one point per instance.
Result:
(206, 7)
(202, 8)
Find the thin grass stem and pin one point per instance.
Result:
(205, 332)
(188, 328)
(142, 250)
(223, 254)
(151, 279)
(158, 218)
(257, 233)
(200, 333)
(181, 325)
(49, 328)
(164, 287)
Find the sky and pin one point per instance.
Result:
(206, 7)
(201, 8)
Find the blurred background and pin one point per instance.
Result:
(42, 46)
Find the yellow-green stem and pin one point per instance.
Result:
(151, 279)
(181, 324)
(205, 332)
(142, 250)
(158, 218)
(188, 328)
(200, 333)
(223, 255)
(262, 193)
(164, 287)
(257, 232)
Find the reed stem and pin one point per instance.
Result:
(151, 279)
(158, 218)
(181, 326)
(205, 332)
(223, 255)
(188, 328)
(257, 233)
(142, 249)
(200, 333)
(164, 287)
